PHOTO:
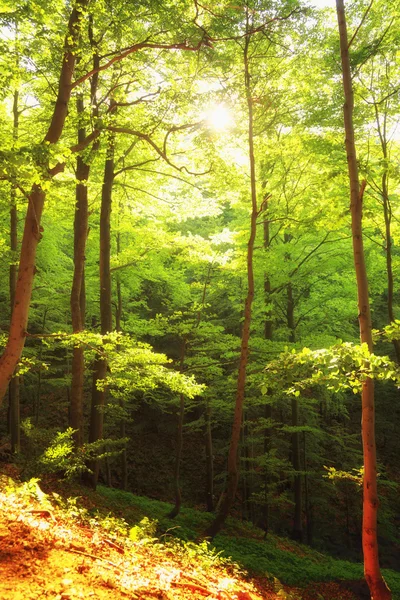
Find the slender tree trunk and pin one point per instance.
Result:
(232, 471)
(268, 325)
(376, 583)
(122, 424)
(100, 363)
(14, 383)
(297, 532)
(245, 470)
(208, 441)
(77, 293)
(387, 214)
(209, 459)
(307, 504)
(32, 230)
(268, 332)
(267, 475)
(179, 442)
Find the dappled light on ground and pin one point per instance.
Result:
(49, 552)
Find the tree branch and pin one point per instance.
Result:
(136, 48)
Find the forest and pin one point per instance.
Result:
(200, 276)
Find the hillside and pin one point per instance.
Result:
(74, 544)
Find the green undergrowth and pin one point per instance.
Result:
(274, 557)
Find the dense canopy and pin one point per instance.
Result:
(199, 233)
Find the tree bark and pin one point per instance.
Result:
(376, 583)
(32, 230)
(232, 471)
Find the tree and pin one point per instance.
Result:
(32, 230)
(376, 583)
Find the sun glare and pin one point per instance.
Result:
(219, 117)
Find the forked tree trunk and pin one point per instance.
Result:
(100, 363)
(232, 470)
(32, 229)
(376, 583)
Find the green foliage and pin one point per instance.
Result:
(55, 452)
(356, 475)
(133, 366)
(143, 531)
(274, 557)
(342, 367)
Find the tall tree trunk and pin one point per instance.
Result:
(77, 293)
(32, 230)
(179, 442)
(14, 383)
(100, 363)
(232, 470)
(376, 583)
(81, 228)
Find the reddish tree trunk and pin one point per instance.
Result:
(376, 583)
(32, 229)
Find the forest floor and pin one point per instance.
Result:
(50, 548)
